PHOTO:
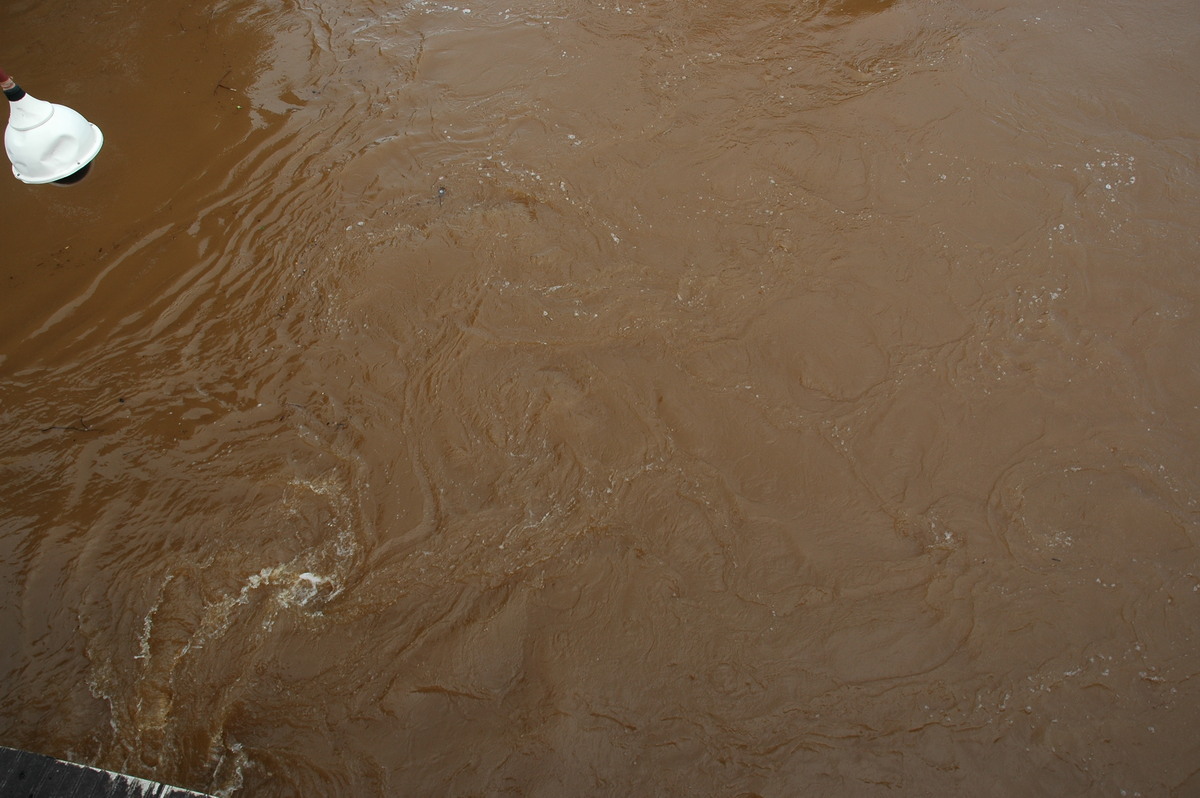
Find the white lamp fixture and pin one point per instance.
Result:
(47, 142)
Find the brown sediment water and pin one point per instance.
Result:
(582, 397)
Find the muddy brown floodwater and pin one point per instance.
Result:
(591, 397)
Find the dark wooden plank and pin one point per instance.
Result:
(22, 771)
(57, 780)
(24, 774)
(92, 782)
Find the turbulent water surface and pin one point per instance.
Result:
(591, 397)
